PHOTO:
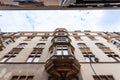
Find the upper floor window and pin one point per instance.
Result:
(8, 58)
(103, 77)
(90, 36)
(61, 39)
(34, 56)
(61, 34)
(6, 42)
(11, 55)
(22, 77)
(29, 38)
(114, 57)
(44, 38)
(89, 57)
(40, 45)
(77, 37)
(115, 43)
(100, 45)
(22, 45)
(62, 50)
(82, 45)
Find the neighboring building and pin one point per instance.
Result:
(60, 55)
(59, 4)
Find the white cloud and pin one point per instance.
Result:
(48, 20)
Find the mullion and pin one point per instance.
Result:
(9, 56)
(36, 55)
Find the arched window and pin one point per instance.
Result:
(22, 45)
(100, 45)
(40, 45)
(82, 45)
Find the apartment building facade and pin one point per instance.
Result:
(60, 55)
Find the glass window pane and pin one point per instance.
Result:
(87, 59)
(118, 58)
(113, 60)
(93, 59)
(59, 47)
(65, 52)
(4, 59)
(65, 47)
(59, 52)
(30, 59)
(10, 59)
(36, 59)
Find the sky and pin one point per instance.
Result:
(49, 20)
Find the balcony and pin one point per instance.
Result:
(62, 66)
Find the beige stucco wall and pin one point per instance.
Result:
(105, 67)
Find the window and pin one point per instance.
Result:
(44, 38)
(90, 36)
(89, 57)
(87, 54)
(34, 56)
(100, 45)
(61, 34)
(22, 45)
(115, 43)
(103, 77)
(77, 38)
(62, 50)
(22, 78)
(61, 39)
(29, 38)
(40, 45)
(114, 57)
(6, 42)
(82, 45)
(110, 54)
(11, 55)
(8, 58)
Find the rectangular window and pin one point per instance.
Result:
(7, 58)
(22, 78)
(34, 56)
(61, 39)
(11, 55)
(62, 50)
(59, 52)
(114, 57)
(103, 77)
(36, 59)
(89, 57)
